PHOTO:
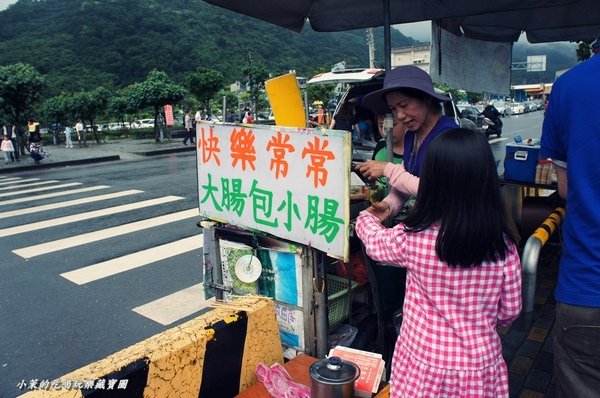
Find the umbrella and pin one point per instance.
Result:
(498, 20)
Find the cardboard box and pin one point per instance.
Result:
(371, 366)
(520, 162)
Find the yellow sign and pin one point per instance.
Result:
(286, 102)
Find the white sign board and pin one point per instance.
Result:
(536, 63)
(292, 183)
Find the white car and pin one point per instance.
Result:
(517, 108)
(142, 123)
(118, 126)
(503, 107)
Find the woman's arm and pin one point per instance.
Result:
(401, 179)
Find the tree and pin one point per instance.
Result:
(88, 105)
(584, 50)
(204, 84)
(155, 92)
(120, 106)
(256, 73)
(21, 87)
(56, 109)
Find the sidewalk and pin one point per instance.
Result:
(126, 149)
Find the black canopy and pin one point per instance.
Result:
(495, 20)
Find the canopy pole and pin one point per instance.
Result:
(387, 42)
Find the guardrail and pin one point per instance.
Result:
(531, 254)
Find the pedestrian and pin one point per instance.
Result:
(35, 145)
(80, 131)
(462, 282)
(344, 119)
(68, 141)
(7, 149)
(189, 130)
(248, 118)
(570, 135)
(9, 130)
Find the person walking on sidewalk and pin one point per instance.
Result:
(10, 130)
(79, 128)
(68, 141)
(7, 149)
(189, 128)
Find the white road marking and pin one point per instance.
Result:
(36, 226)
(175, 306)
(10, 179)
(90, 237)
(18, 180)
(52, 195)
(117, 265)
(68, 203)
(69, 184)
(32, 184)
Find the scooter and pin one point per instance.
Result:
(489, 127)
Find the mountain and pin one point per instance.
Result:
(80, 44)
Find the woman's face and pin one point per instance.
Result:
(409, 111)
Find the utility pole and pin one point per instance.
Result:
(371, 43)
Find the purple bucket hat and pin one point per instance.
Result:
(407, 76)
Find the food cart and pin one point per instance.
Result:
(275, 203)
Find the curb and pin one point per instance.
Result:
(60, 164)
(165, 151)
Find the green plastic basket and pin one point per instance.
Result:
(338, 298)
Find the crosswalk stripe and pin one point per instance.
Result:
(52, 195)
(173, 307)
(90, 237)
(18, 180)
(68, 203)
(11, 178)
(69, 184)
(117, 265)
(36, 226)
(33, 184)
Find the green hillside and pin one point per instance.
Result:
(81, 44)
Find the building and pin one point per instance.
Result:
(418, 55)
(524, 92)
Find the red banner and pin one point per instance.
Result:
(169, 120)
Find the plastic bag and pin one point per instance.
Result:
(278, 382)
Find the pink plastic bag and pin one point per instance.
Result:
(278, 382)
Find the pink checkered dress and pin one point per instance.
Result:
(448, 344)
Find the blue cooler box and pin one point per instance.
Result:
(520, 162)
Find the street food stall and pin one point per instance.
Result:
(276, 208)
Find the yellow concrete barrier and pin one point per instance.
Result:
(213, 355)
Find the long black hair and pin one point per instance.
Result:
(459, 189)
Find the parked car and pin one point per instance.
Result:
(118, 126)
(503, 107)
(142, 123)
(517, 108)
(473, 114)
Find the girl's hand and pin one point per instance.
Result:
(381, 210)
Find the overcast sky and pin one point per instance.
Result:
(417, 30)
(6, 3)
